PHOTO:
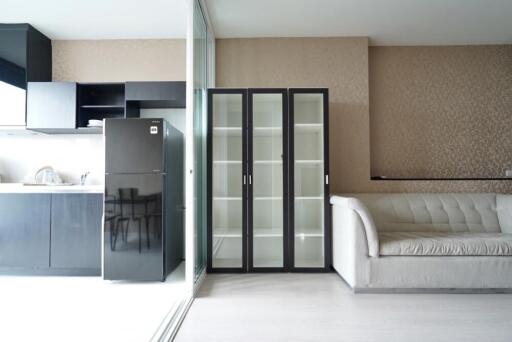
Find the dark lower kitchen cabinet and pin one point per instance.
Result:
(76, 231)
(50, 233)
(25, 230)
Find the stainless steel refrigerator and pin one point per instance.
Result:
(143, 201)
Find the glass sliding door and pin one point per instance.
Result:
(309, 179)
(267, 188)
(227, 155)
(200, 79)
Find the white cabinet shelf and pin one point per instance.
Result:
(267, 232)
(268, 162)
(227, 198)
(227, 131)
(316, 161)
(227, 232)
(227, 162)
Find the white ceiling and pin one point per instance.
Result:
(99, 19)
(386, 22)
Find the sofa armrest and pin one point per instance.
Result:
(351, 203)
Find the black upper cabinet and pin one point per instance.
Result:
(25, 56)
(65, 107)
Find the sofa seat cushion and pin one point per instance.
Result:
(445, 244)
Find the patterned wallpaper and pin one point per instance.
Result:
(119, 60)
(443, 112)
(342, 65)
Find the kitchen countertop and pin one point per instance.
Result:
(20, 188)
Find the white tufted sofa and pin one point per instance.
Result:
(423, 241)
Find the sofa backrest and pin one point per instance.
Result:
(445, 212)
(504, 209)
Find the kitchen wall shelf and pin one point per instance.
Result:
(98, 101)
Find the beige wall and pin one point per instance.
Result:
(340, 64)
(441, 111)
(119, 60)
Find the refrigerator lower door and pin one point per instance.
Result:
(133, 221)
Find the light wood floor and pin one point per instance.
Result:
(320, 307)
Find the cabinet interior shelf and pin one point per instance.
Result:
(304, 161)
(227, 232)
(309, 128)
(224, 162)
(227, 198)
(309, 235)
(257, 232)
(227, 131)
(103, 106)
(264, 162)
(267, 131)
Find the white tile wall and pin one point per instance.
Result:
(70, 155)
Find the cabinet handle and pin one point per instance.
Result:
(244, 179)
(250, 180)
(326, 179)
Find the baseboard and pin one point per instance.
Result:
(72, 272)
(432, 290)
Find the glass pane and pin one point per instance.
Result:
(227, 206)
(267, 180)
(200, 86)
(309, 180)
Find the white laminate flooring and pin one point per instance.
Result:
(321, 307)
(87, 309)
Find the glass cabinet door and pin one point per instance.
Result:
(267, 156)
(309, 177)
(227, 235)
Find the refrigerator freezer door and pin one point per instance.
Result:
(133, 234)
(134, 146)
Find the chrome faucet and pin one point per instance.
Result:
(83, 178)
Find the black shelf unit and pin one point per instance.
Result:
(98, 101)
(152, 95)
(242, 133)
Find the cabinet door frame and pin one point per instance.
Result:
(291, 181)
(209, 156)
(250, 164)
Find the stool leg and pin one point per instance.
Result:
(140, 246)
(147, 231)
